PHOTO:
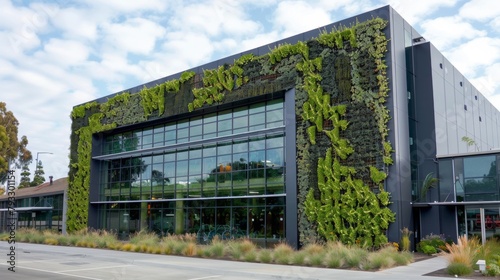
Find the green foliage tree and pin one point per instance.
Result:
(12, 149)
(38, 179)
(25, 177)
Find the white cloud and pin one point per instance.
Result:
(478, 52)
(293, 17)
(76, 23)
(446, 31)
(489, 83)
(214, 18)
(120, 6)
(414, 11)
(64, 52)
(23, 26)
(136, 35)
(495, 24)
(481, 10)
(260, 40)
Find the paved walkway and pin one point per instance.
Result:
(415, 270)
(45, 262)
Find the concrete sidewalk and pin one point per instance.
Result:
(414, 270)
(46, 262)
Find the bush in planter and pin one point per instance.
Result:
(428, 249)
(434, 240)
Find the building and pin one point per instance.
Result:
(327, 134)
(39, 207)
(467, 200)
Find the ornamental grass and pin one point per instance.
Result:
(330, 254)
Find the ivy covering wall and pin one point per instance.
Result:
(341, 118)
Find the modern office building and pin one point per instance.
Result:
(328, 134)
(39, 207)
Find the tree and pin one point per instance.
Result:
(38, 179)
(12, 149)
(25, 177)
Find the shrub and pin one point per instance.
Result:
(355, 256)
(189, 249)
(51, 241)
(335, 259)
(459, 269)
(434, 240)
(298, 258)
(313, 249)
(316, 259)
(492, 269)
(384, 258)
(250, 256)
(246, 245)
(127, 247)
(72, 240)
(4, 236)
(144, 238)
(428, 249)
(180, 246)
(379, 261)
(216, 249)
(265, 256)
(240, 248)
(282, 253)
(37, 238)
(403, 258)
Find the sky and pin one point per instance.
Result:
(58, 54)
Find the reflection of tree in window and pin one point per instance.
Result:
(158, 177)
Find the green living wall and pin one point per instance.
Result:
(341, 118)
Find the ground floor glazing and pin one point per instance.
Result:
(261, 219)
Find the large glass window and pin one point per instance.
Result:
(480, 178)
(228, 122)
(248, 166)
(245, 165)
(260, 219)
(233, 159)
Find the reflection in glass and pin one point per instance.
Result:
(250, 166)
(480, 178)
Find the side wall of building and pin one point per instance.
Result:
(447, 108)
(461, 111)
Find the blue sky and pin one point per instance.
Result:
(57, 54)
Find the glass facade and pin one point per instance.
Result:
(217, 174)
(472, 179)
(469, 179)
(245, 119)
(33, 215)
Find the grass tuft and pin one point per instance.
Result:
(464, 251)
(282, 253)
(298, 258)
(265, 256)
(459, 269)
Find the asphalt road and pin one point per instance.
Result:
(36, 261)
